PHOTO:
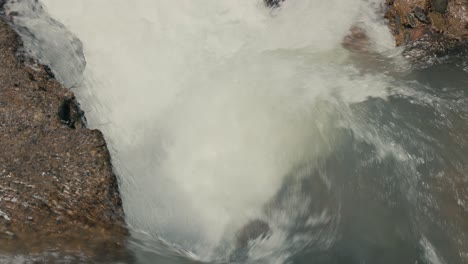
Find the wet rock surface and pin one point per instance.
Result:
(57, 188)
(430, 29)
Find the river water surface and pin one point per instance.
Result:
(220, 113)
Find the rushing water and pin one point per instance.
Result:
(223, 113)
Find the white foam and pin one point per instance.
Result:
(208, 105)
(430, 253)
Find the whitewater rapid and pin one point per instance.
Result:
(208, 106)
(212, 107)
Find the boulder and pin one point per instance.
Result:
(57, 188)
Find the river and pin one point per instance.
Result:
(222, 113)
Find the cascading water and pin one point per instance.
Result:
(220, 113)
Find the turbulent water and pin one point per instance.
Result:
(220, 113)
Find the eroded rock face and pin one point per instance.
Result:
(57, 188)
(429, 27)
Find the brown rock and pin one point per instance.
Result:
(401, 15)
(457, 19)
(57, 188)
(438, 21)
(428, 27)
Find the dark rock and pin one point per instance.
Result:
(49, 72)
(397, 24)
(412, 22)
(420, 15)
(71, 114)
(273, 3)
(439, 6)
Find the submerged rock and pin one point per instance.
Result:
(252, 231)
(357, 40)
(273, 3)
(57, 188)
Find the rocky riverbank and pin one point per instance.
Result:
(57, 188)
(430, 20)
(429, 29)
